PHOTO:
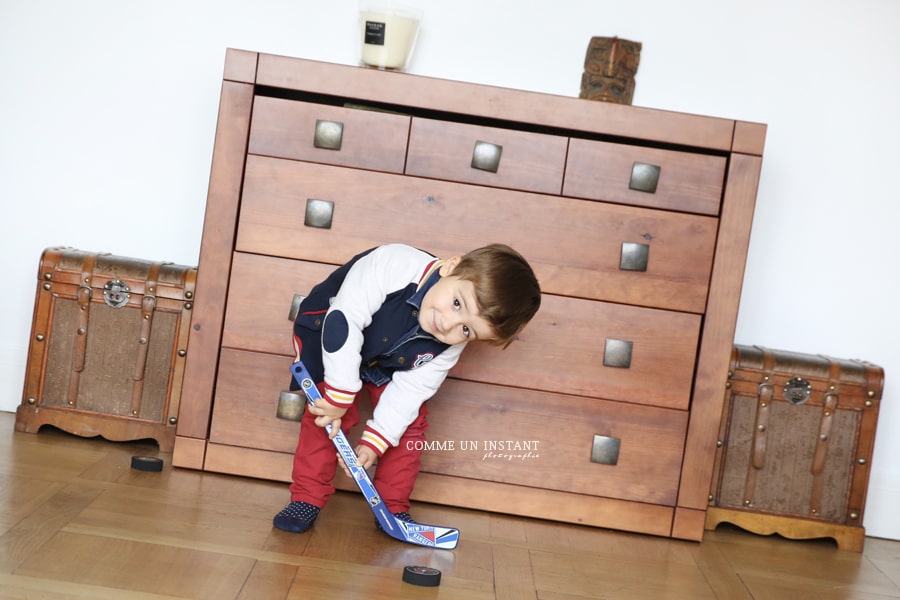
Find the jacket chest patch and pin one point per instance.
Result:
(421, 359)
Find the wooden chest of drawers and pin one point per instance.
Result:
(606, 410)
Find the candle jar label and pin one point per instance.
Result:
(375, 33)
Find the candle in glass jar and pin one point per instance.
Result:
(387, 38)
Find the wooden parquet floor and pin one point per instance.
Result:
(77, 522)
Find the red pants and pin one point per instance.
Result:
(315, 461)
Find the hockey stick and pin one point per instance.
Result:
(413, 533)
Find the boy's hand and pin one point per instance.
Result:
(365, 458)
(327, 413)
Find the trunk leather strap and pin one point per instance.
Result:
(764, 401)
(830, 404)
(766, 393)
(148, 306)
(79, 344)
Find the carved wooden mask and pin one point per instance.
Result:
(610, 65)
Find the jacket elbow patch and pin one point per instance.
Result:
(335, 331)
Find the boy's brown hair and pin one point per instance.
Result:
(506, 289)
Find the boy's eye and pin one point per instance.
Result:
(456, 303)
(465, 329)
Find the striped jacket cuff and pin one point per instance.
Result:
(339, 398)
(375, 441)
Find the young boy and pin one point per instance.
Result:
(393, 321)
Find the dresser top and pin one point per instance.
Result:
(588, 117)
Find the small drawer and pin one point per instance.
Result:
(260, 299)
(645, 176)
(579, 248)
(556, 442)
(247, 392)
(329, 134)
(597, 350)
(487, 156)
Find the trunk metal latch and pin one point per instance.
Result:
(796, 391)
(116, 293)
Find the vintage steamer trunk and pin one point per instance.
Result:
(108, 344)
(795, 446)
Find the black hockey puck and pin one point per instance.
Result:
(424, 576)
(146, 463)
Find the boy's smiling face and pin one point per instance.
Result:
(450, 312)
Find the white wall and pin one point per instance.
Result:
(107, 117)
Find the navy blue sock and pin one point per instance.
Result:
(296, 517)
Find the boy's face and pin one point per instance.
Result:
(449, 310)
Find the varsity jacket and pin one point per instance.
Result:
(362, 324)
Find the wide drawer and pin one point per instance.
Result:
(651, 177)
(329, 134)
(595, 349)
(487, 155)
(539, 440)
(486, 432)
(573, 346)
(577, 247)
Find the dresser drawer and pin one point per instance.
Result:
(641, 176)
(580, 347)
(329, 134)
(247, 391)
(563, 349)
(486, 432)
(259, 301)
(486, 156)
(539, 440)
(577, 247)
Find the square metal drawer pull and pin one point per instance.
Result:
(634, 257)
(295, 307)
(319, 213)
(486, 156)
(644, 177)
(290, 406)
(617, 354)
(328, 135)
(605, 450)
